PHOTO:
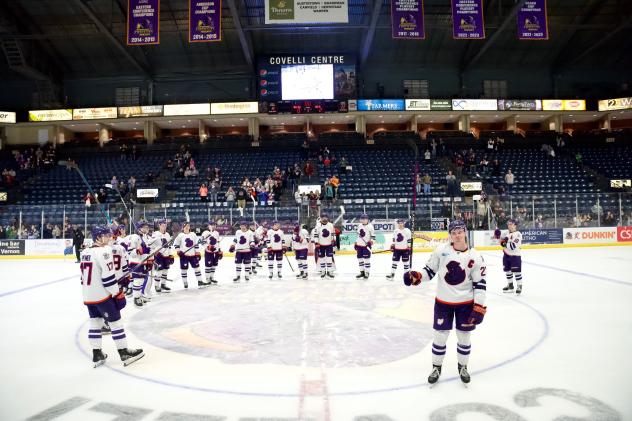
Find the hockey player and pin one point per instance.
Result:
(186, 244)
(212, 253)
(138, 250)
(163, 259)
(461, 291)
(120, 237)
(366, 236)
(512, 259)
(400, 248)
(242, 245)
(121, 269)
(324, 242)
(275, 243)
(104, 298)
(300, 243)
(259, 237)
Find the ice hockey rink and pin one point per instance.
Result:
(339, 349)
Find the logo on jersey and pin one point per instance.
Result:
(188, 242)
(325, 233)
(362, 233)
(164, 242)
(212, 241)
(456, 274)
(242, 239)
(399, 238)
(277, 238)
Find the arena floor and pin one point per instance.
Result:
(340, 349)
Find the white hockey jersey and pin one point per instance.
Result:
(366, 233)
(401, 239)
(119, 257)
(260, 235)
(123, 241)
(211, 240)
(300, 241)
(275, 240)
(460, 275)
(324, 234)
(243, 240)
(98, 278)
(514, 243)
(160, 241)
(136, 245)
(186, 243)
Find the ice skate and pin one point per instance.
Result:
(509, 288)
(519, 290)
(433, 378)
(236, 279)
(98, 358)
(390, 277)
(202, 285)
(299, 275)
(270, 276)
(186, 284)
(465, 376)
(366, 275)
(138, 301)
(165, 289)
(360, 275)
(279, 275)
(330, 275)
(304, 275)
(128, 356)
(323, 274)
(247, 278)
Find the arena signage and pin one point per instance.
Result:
(532, 20)
(407, 19)
(187, 109)
(590, 235)
(417, 105)
(615, 104)
(441, 105)
(306, 11)
(381, 105)
(564, 105)
(140, 111)
(50, 115)
(620, 184)
(205, 20)
(94, 113)
(467, 19)
(472, 186)
(11, 247)
(624, 234)
(7, 117)
(552, 105)
(474, 104)
(235, 108)
(519, 105)
(146, 193)
(143, 22)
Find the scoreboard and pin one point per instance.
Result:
(305, 107)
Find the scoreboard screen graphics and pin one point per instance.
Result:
(305, 77)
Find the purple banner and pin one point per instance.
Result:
(532, 20)
(205, 20)
(407, 19)
(143, 22)
(467, 19)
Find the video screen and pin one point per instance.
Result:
(315, 81)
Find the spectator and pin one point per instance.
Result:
(490, 144)
(88, 199)
(150, 177)
(451, 183)
(56, 232)
(427, 156)
(214, 190)
(578, 159)
(426, 180)
(217, 173)
(47, 232)
(168, 165)
(496, 168)
(509, 180)
(539, 222)
(123, 151)
(308, 170)
(3, 234)
(77, 241)
(335, 183)
(242, 194)
(131, 183)
(230, 197)
(328, 191)
(327, 162)
(277, 190)
(297, 197)
(343, 165)
(123, 189)
(597, 210)
(433, 146)
(114, 182)
(188, 172)
(418, 184)
(102, 196)
(484, 164)
(134, 153)
(203, 190)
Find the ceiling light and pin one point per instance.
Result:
(399, 116)
(381, 116)
(382, 121)
(432, 121)
(570, 115)
(292, 117)
(170, 121)
(233, 125)
(474, 121)
(189, 121)
(594, 115)
(282, 124)
(241, 119)
(496, 115)
(333, 122)
(215, 120)
(274, 118)
(320, 116)
(183, 127)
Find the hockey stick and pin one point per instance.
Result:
(129, 215)
(73, 165)
(413, 145)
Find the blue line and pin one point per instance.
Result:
(572, 272)
(543, 336)
(17, 291)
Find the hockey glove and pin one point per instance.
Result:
(220, 255)
(412, 278)
(497, 233)
(477, 315)
(231, 248)
(369, 244)
(181, 254)
(503, 242)
(120, 301)
(392, 247)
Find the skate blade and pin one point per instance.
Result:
(100, 363)
(433, 385)
(133, 360)
(465, 385)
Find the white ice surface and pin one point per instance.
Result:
(340, 349)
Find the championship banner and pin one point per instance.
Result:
(615, 104)
(532, 20)
(143, 22)
(205, 20)
(306, 11)
(407, 19)
(467, 19)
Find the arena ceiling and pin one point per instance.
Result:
(66, 39)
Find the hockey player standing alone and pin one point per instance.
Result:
(242, 245)
(512, 261)
(401, 248)
(104, 298)
(366, 236)
(461, 291)
(186, 244)
(324, 240)
(275, 244)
